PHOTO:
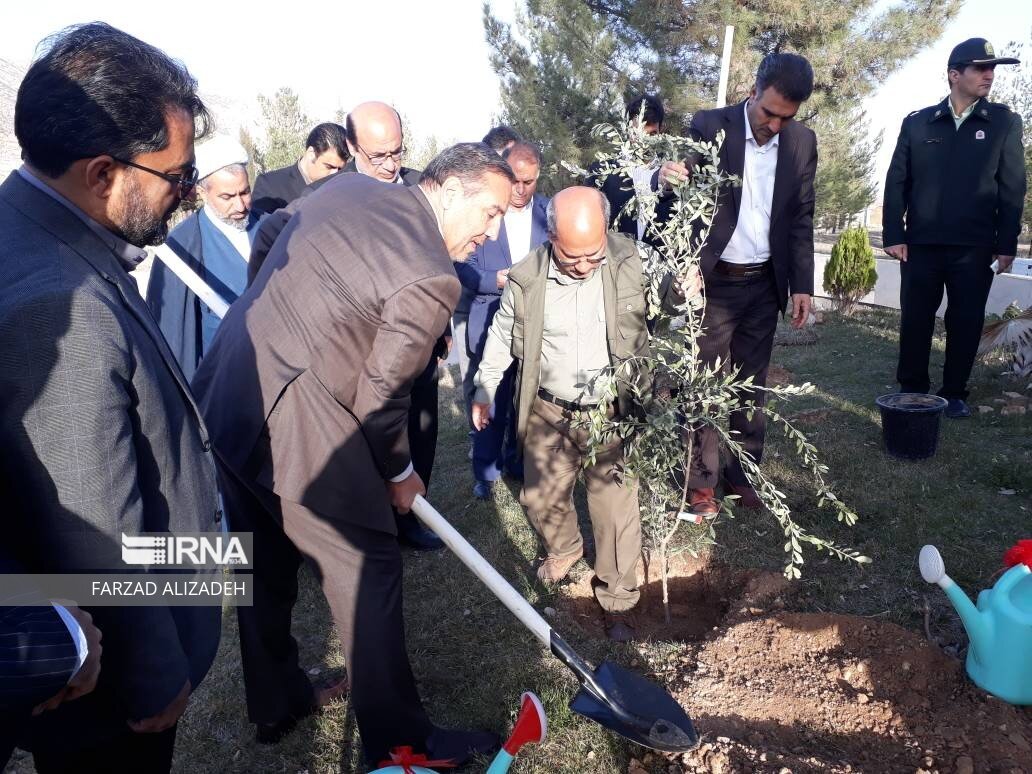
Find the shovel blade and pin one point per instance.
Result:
(660, 723)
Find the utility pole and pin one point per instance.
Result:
(725, 66)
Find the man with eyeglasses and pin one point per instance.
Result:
(215, 243)
(101, 436)
(377, 144)
(376, 140)
(571, 312)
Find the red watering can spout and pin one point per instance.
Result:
(531, 725)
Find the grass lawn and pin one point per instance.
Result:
(473, 659)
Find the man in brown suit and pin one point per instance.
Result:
(377, 142)
(306, 393)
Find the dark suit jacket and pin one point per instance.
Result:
(37, 656)
(791, 217)
(479, 274)
(306, 388)
(273, 223)
(955, 186)
(277, 188)
(618, 190)
(100, 436)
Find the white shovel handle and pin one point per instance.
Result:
(192, 280)
(509, 597)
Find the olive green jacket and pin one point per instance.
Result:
(518, 326)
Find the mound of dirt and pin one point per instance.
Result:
(817, 692)
(778, 691)
(702, 595)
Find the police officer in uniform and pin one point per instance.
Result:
(953, 200)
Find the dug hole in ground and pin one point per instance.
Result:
(772, 690)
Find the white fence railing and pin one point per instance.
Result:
(1007, 288)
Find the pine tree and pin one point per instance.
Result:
(567, 65)
(257, 165)
(850, 274)
(286, 127)
(560, 78)
(1014, 89)
(845, 184)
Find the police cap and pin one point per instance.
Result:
(977, 51)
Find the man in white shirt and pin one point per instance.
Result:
(484, 274)
(644, 114)
(214, 243)
(759, 254)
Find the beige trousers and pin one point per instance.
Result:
(553, 454)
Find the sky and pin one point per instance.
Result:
(436, 68)
(922, 80)
(430, 63)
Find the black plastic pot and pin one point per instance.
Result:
(910, 424)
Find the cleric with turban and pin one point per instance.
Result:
(214, 244)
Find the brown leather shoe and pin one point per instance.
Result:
(747, 495)
(555, 568)
(703, 503)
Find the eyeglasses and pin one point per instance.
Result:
(569, 263)
(184, 182)
(379, 159)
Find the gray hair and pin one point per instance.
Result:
(232, 168)
(468, 161)
(550, 212)
(521, 149)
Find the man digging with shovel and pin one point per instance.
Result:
(572, 311)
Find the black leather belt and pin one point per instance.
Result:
(742, 269)
(567, 405)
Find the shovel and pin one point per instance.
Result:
(622, 701)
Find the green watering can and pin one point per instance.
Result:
(1000, 628)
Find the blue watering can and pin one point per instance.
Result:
(999, 629)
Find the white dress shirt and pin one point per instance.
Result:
(750, 243)
(82, 647)
(641, 179)
(237, 237)
(518, 226)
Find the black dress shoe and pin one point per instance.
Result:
(957, 409)
(460, 747)
(414, 535)
(272, 733)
